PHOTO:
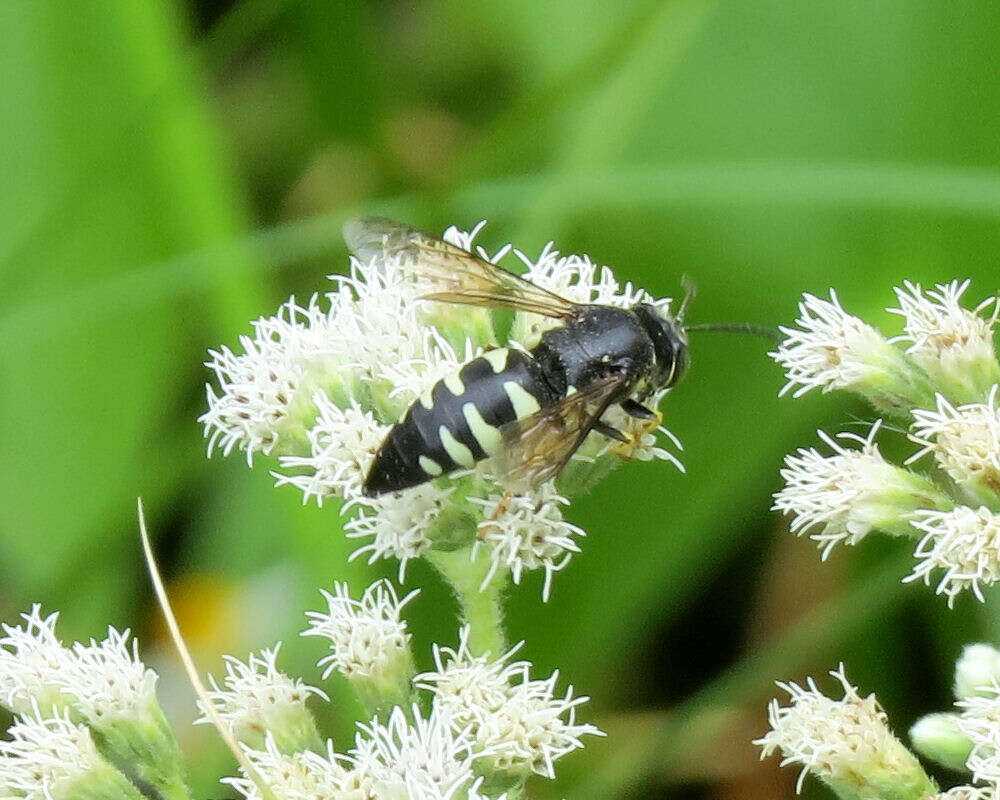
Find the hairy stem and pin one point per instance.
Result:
(480, 605)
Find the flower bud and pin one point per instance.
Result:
(977, 671)
(938, 737)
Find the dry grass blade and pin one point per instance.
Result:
(188, 662)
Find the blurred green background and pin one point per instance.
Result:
(171, 170)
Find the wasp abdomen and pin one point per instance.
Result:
(457, 422)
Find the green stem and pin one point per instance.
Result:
(480, 606)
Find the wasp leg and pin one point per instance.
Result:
(611, 433)
(637, 410)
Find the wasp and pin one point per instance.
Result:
(529, 410)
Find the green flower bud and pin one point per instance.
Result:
(938, 737)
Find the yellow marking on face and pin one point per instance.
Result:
(430, 466)
(487, 435)
(571, 390)
(523, 401)
(459, 453)
(425, 398)
(497, 358)
(455, 385)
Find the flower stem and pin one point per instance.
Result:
(480, 605)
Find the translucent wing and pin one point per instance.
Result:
(451, 274)
(536, 448)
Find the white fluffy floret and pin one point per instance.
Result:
(527, 532)
(46, 757)
(423, 760)
(258, 387)
(980, 722)
(965, 543)
(31, 660)
(966, 793)
(301, 775)
(843, 493)
(839, 740)
(342, 443)
(367, 636)
(830, 349)
(522, 724)
(965, 440)
(397, 523)
(256, 696)
(938, 328)
(100, 680)
(107, 680)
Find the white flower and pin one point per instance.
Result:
(398, 523)
(257, 390)
(980, 722)
(844, 740)
(383, 326)
(343, 443)
(977, 670)
(425, 760)
(31, 661)
(256, 697)
(471, 688)
(367, 636)
(966, 793)
(527, 531)
(101, 681)
(965, 543)
(519, 723)
(942, 333)
(850, 493)
(301, 775)
(831, 349)
(965, 440)
(466, 239)
(107, 680)
(46, 758)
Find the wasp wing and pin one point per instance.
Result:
(536, 448)
(451, 274)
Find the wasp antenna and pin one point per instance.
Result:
(738, 327)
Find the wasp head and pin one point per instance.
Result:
(669, 344)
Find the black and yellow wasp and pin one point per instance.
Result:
(529, 410)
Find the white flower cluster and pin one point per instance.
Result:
(49, 758)
(520, 723)
(318, 386)
(969, 739)
(60, 696)
(846, 743)
(484, 713)
(527, 532)
(98, 681)
(487, 719)
(945, 388)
